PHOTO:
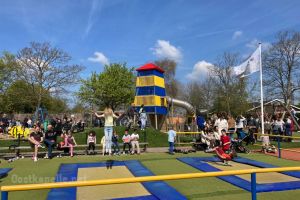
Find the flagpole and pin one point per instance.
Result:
(261, 93)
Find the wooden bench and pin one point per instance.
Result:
(144, 144)
(17, 149)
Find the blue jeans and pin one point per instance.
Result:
(49, 144)
(108, 131)
(116, 147)
(171, 147)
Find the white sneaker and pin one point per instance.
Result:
(35, 159)
(46, 156)
(124, 153)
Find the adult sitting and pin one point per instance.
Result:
(35, 138)
(50, 140)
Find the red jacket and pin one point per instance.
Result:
(225, 142)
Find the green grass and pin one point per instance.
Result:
(158, 163)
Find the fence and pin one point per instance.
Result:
(253, 172)
(279, 141)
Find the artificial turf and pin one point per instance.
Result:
(158, 163)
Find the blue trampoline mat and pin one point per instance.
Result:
(157, 189)
(200, 163)
(4, 172)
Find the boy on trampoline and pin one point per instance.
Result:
(223, 151)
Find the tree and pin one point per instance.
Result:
(7, 69)
(281, 66)
(18, 98)
(113, 87)
(229, 91)
(46, 68)
(199, 94)
(171, 83)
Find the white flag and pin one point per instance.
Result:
(251, 65)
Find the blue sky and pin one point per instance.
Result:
(193, 32)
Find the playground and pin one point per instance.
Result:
(189, 174)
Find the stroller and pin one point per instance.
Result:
(238, 144)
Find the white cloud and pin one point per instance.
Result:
(99, 58)
(200, 70)
(95, 9)
(237, 34)
(253, 44)
(163, 49)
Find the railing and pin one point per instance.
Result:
(6, 189)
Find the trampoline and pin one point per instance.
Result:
(108, 170)
(4, 172)
(266, 182)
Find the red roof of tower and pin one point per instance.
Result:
(150, 66)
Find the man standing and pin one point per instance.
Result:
(171, 139)
(50, 140)
(200, 123)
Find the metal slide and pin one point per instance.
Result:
(183, 104)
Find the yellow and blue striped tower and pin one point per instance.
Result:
(150, 91)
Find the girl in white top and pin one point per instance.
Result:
(108, 127)
(135, 142)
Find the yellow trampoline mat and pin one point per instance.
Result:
(108, 191)
(261, 178)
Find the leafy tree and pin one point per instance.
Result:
(18, 98)
(78, 108)
(7, 69)
(113, 87)
(6, 76)
(46, 68)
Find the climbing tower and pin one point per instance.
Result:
(150, 91)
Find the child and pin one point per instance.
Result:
(70, 142)
(267, 147)
(171, 140)
(209, 139)
(126, 141)
(223, 151)
(135, 142)
(115, 145)
(103, 145)
(143, 117)
(91, 141)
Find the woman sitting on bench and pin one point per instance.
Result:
(35, 138)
